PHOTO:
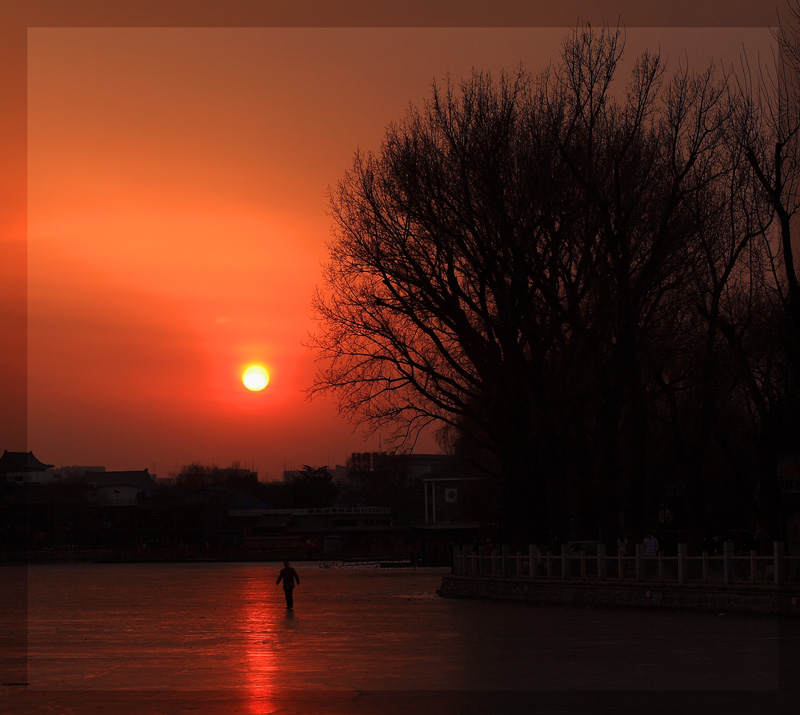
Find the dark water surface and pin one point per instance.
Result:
(166, 638)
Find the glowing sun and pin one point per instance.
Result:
(255, 378)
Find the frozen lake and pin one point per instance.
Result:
(217, 638)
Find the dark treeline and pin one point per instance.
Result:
(587, 283)
(311, 488)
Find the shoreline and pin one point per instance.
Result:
(113, 556)
(751, 600)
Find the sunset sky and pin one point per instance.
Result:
(176, 194)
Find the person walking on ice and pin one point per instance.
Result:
(289, 576)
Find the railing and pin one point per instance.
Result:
(333, 510)
(728, 568)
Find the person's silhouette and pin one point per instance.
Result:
(289, 576)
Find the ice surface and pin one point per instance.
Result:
(216, 637)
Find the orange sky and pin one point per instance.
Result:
(176, 183)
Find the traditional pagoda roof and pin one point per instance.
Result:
(21, 462)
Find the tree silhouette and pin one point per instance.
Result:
(766, 127)
(545, 270)
(313, 488)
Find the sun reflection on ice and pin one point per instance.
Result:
(260, 664)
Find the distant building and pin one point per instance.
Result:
(426, 465)
(401, 471)
(323, 532)
(340, 474)
(74, 472)
(119, 488)
(444, 499)
(24, 468)
(408, 468)
(290, 475)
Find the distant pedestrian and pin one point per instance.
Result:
(651, 545)
(289, 577)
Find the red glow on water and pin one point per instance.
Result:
(261, 612)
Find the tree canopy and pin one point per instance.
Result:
(567, 275)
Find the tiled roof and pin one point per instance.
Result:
(21, 462)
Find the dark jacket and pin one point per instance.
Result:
(288, 575)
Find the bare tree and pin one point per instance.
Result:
(766, 126)
(431, 314)
(769, 129)
(510, 265)
(640, 166)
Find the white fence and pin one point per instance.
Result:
(727, 568)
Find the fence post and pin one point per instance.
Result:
(533, 560)
(777, 562)
(753, 553)
(727, 561)
(683, 576)
(601, 561)
(519, 564)
(458, 560)
(640, 562)
(564, 561)
(504, 551)
(705, 566)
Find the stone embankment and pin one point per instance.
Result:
(754, 600)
